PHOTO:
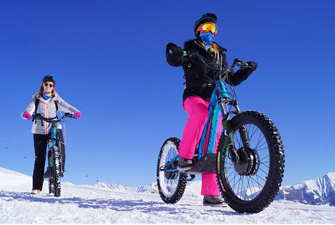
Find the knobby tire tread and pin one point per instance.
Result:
(56, 173)
(275, 174)
(182, 177)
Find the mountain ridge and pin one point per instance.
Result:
(315, 192)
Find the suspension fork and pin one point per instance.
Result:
(52, 144)
(228, 132)
(244, 136)
(229, 141)
(223, 100)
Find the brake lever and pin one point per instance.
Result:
(240, 63)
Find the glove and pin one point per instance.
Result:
(27, 115)
(174, 49)
(77, 114)
(252, 65)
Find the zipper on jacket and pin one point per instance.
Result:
(46, 116)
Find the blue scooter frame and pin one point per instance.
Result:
(215, 107)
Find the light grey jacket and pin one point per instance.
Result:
(47, 109)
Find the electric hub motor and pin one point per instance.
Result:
(247, 163)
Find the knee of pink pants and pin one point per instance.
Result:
(197, 110)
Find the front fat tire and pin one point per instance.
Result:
(56, 173)
(171, 188)
(262, 186)
(51, 186)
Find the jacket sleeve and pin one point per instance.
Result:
(174, 55)
(239, 76)
(65, 107)
(31, 106)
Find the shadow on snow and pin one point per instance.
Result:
(112, 204)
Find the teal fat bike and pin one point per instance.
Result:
(249, 163)
(55, 157)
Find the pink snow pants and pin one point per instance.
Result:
(197, 110)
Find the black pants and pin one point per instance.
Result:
(40, 144)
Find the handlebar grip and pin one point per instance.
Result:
(190, 53)
(244, 66)
(69, 115)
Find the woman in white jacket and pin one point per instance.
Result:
(46, 103)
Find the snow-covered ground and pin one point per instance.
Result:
(99, 204)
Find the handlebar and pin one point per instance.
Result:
(240, 63)
(52, 120)
(237, 62)
(222, 72)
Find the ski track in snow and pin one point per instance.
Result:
(90, 204)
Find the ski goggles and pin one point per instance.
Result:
(208, 27)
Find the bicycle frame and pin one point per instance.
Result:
(211, 126)
(216, 109)
(219, 100)
(55, 157)
(52, 142)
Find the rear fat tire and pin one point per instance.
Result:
(171, 185)
(267, 175)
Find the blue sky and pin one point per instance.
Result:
(108, 58)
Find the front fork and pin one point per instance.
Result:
(52, 144)
(229, 140)
(244, 136)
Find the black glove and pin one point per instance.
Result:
(252, 65)
(174, 49)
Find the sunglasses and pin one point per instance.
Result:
(50, 85)
(208, 27)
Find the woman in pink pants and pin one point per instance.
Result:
(199, 85)
(197, 110)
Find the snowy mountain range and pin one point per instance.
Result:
(315, 192)
(151, 188)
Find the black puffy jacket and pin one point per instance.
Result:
(200, 79)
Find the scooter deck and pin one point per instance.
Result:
(206, 164)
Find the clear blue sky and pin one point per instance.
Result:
(108, 58)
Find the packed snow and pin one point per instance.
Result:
(114, 204)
